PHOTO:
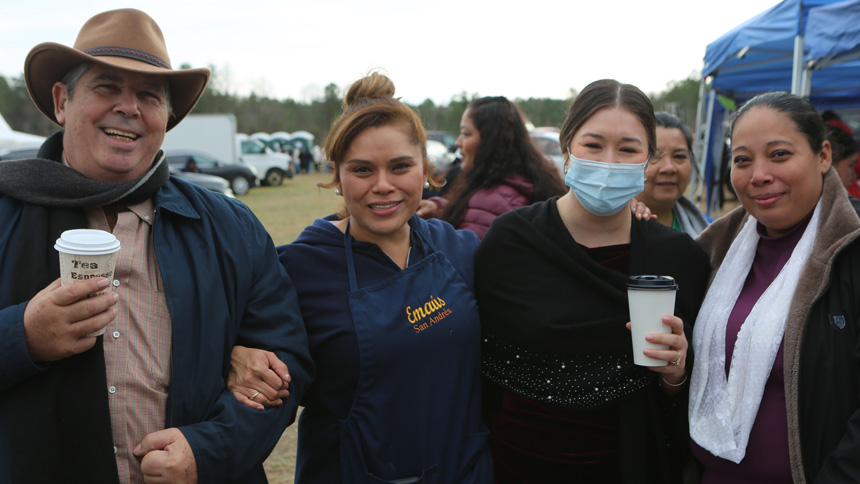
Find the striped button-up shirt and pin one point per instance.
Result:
(136, 343)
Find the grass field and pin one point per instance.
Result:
(281, 464)
(285, 211)
(289, 208)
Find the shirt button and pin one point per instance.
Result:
(112, 389)
(116, 334)
(114, 449)
(115, 283)
(146, 217)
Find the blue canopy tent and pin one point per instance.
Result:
(808, 47)
(832, 55)
(833, 34)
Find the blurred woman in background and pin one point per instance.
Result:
(832, 120)
(667, 176)
(844, 153)
(501, 168)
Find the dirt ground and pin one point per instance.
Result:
(281, 464)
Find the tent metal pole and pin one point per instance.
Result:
(707, 156)
(717, 160)
(699, 146)
(700, 106)
(797, 67)
(808, 69)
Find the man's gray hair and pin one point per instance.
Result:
(71, 78)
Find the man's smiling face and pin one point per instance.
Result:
(114, 122)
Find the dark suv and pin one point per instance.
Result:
(241, 178)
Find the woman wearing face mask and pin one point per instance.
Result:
(773, 396)
(667, 175)
(563, 399)
(388, 304)
(501, 168)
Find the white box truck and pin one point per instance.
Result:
(215, 134)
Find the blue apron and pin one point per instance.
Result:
(416, 415)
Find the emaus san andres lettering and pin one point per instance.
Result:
(432, 311)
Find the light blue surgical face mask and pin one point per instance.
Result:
(604, 188)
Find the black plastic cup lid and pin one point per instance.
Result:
(652, 283)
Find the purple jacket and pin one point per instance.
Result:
(486, 205)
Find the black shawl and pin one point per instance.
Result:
(545, 305)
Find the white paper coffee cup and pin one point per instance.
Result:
(649, 298)
(87, 253)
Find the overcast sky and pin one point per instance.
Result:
(431, 49)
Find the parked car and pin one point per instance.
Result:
(240, 177)
(210, 182)
(439, 156)
(18, 153)
(547, 143)
(215, 134)
(443, 137)
(273, 167)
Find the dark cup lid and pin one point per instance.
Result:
(652, 283)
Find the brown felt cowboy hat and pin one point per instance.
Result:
(126, 39)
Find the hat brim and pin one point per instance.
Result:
(47, 63)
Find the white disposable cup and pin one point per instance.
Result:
(649, 298)
(87, 253)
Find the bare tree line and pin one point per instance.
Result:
(254, 113)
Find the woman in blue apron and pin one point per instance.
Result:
(388, 302)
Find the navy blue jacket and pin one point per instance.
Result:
(224, 286)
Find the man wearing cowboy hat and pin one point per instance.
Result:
(196, 274)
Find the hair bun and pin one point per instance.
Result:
(372, 86)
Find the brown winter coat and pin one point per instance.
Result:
(821, 359)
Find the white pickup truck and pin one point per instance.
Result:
(215, 134)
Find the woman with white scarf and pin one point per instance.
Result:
(774, 393)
